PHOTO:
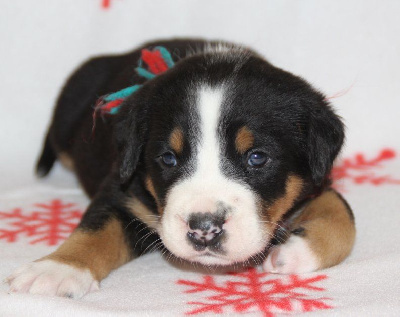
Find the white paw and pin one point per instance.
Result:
(292, 257)
(49, 277)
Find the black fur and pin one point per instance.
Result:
(47, 159)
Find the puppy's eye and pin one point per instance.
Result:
(169, 159)
(257, 159)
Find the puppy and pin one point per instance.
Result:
(203, 150)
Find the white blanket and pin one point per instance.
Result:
(348, 49)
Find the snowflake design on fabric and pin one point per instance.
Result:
(254, 291)
(49, 223)
(360, 170)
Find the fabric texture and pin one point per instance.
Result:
(347, 49)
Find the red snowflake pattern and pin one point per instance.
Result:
(51, 224)
(359, 170)
(252, 291)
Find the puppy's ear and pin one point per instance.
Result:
(130, 132)
(324, 141)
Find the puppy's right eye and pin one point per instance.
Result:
(169, 159)
(257, 159)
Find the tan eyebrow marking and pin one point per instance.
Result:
(176, 140)
(244, 140)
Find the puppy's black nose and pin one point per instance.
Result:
(205, 229)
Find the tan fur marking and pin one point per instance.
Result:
(99, 251)
(329, 230)
(294, 185)
(66, 160)
(176, 140)
(143, 213)
(244, 140)
(150, 187)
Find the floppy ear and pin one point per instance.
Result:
(324, 141)
(129, 131)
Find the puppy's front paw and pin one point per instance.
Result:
(294, 256)
(48, 277)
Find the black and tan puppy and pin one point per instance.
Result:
(221, 159)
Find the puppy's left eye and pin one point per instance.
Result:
(257, 159)
(169, 159)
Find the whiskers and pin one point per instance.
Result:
(152, 233)
(254, 260)
(158, 245)
(149, 241)
(281, 234)
(155, 219)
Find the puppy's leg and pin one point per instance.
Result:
(322, 235)
(99, 245)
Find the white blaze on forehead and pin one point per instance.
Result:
(208, 184)
(209, 103)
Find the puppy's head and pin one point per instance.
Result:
(229, 144)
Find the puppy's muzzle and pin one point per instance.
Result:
(205, 229)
